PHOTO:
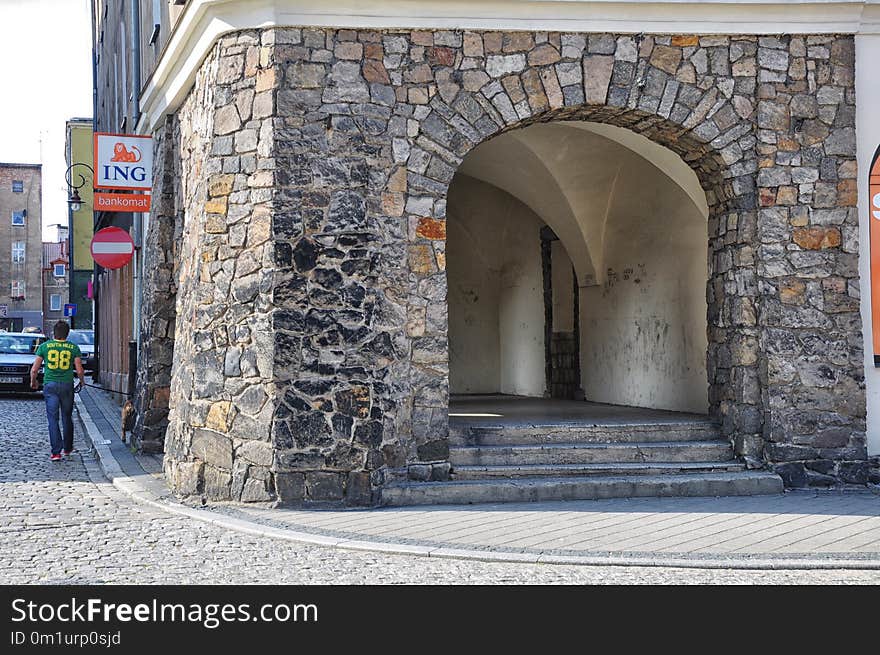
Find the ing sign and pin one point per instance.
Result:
(123, 161)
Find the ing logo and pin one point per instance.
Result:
(122, 154)
(123, 161)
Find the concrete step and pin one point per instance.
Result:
(591, 453)
(498, 435)
(739, 483)
(612, 469)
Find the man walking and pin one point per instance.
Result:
(61, 356)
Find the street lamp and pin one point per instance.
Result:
(74, 203)
(73, 200)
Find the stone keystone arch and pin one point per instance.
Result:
(348, 140)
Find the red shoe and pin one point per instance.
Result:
(55, 458)
(67, 453)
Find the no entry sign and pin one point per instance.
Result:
(112, 247)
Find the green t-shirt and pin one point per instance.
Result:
(58, 359)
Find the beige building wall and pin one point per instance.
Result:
(80, 150)
(29, 271)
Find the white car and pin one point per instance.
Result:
(85, 339)
(17, 354)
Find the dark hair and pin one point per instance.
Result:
(61, 330)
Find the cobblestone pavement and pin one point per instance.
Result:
(62, 523)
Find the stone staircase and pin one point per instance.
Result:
(580, 461)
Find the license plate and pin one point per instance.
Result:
(8, 380)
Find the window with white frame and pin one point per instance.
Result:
(18, 218)
(17, 252)
(17, 186)
(17, 291)
(55, 302)
(59, 270)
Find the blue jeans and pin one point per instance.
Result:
(59, 395)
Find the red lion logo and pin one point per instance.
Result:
(121, 154)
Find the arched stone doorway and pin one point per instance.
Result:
(730, 316)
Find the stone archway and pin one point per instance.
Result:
(318, 162)
(453, 129)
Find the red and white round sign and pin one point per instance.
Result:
(112, 247)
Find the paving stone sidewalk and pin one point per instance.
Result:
(827, 529)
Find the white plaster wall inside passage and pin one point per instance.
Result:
(643, 331)
(496, 310)
(637, 237)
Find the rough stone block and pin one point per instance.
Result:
(188, 478)
(854, 472)
(793, 474)
(597, 76)
(324, 486)
(437, 449)
(817, 238)
(358, 490)
(212, 448)
(218, 484)
(419, 472)
(255, 491)
(290, 488)
(666, 58)
(218, 416)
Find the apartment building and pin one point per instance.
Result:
(55, 282)
(21, 300)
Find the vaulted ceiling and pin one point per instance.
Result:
(577, 177)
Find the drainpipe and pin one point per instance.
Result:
(96, 374)
(70, 262)
(136, 60)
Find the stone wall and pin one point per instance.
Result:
(218, 442)
(807, 252)
(158, 311)
(310, 356)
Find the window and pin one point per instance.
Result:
(115, 90)
(82, 337)
(25, 344)
(18, 218)
(17, 186)
(124, 86)
(55, 302)
(59, 270)
(157, 22)
(17, 252)
(17, 291)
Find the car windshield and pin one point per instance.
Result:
(19, 344)
(82, 338)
